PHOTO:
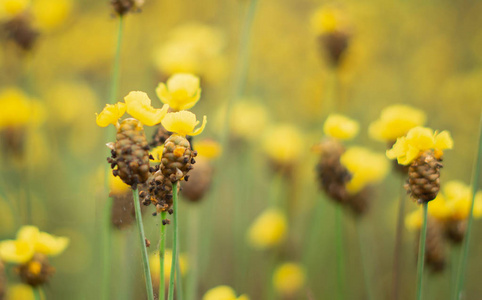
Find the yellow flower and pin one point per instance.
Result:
(117, 186)
(459, 200)
(43, 242)
(288, 279)
(268, 230)
(22, 292)
(248, 118)
(111, 114)
(139, 106)
(19, 110)
(208, 148)
(18, 252)
(183, 123)
(157, 153)
(328, 19)
(419, 139)
(340, 127)
(283, 143)
(49, 14)
(155, 265)
(181, 92)
(365, 167)
(395, 121)
(222, 292)
(11, 8)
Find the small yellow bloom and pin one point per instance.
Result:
(288, 279)
(139, 106)
(340, 127)
(12, 8)
(395, 121)
(22, 292)
(419, 139)
(222, 292)
(183, 123)
(268, 230)
(19, 110)
(111, 114)
(49, 14)
(181, 92)
(155, 265)
(414, 220)
(459, 200)
(18, 252)
(157, 153)
(43, 242)
(365, 167)
(283, 143)
(208, 148)
(329, 19)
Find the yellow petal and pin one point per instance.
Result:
(28, 234)
(139, 106)
(288, 279)
(268, 230)
(340, 127)
(111, 114)
(18, 252)
(200, 129)
(182, 123)
(22, 292)
(51, 245)
(222, 292)
(443, 140)
(421, 138)
(181, 92)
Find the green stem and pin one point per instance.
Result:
(36, 293)
(142, 240)
(193, 252)
(106, 232)
(454, 258)
(364, 257)
(340, 253)
(180, 292)
(421, 253)
(398, 245)
(162, 250)
(465, 247)
(175, 242)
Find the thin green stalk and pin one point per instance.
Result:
(175, 242)
(36, 293)
(366, 275)
(180, 291)
(340, 251)
(142, 240)
(162, 250)
(106, 224)
(398, 245)
(454, 258)
(421, 253)
(193, 252)
(465, 247)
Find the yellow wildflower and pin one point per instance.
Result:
(395, 121)
(11, 8)
(155, 265)
(139, 106)
(18, 252)
(283, 143)
(459, 200)
(248, 128)
(49, 14)
(223, 292)
(111, 114)
(268, 230)
(288, 279)
(18, 109)
(418, 140)
(365, 167)
(328, 19)
(208, 148)
(22, 292)
(181, 92)
(340, 127)
(183, 123)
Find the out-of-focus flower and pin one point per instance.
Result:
(19, 110)
(155, 265)
(223, 292)
(139, 106)
(208, 149)
(248, 128)
(268, 230)
(22, 292)
(288, 279)
(12, 8)
(395, 121)
(364, 166)
(183, 123)
(329, 19)
(180, 92)
(49, 14)
(340, 127)
(121, 7)
(283, 144)
(418, 140)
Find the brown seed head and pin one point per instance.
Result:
(37, 271)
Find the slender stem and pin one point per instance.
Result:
(465, 247)
(421, 253)
(142, 240)
(180, 292)
(340, 253)
(364, 257)
(454, 258)
(162, 250)
(193, 252)
(36, 293)
(398, 245)
(175, 243)
(106, 232)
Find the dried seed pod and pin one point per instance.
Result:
(130, 155)
(335, 45)
(160, 136)
(121, 7)
(424, 177)
(199, 181)
(359, 203)
(434, 246)
(455, 230)
(3, 282)
(20, 30)
(37, 271)
(332, 175)
(177, 158)
(159, 192)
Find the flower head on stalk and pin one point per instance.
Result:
(289, 279)
(180, 92)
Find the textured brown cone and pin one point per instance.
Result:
(424, 177)
(130, 153)
(177, 158)
(21, 32)
(159, 192)
(36, 278)
(434, 246)
(160, 136)
(455, 230)
(199, 181)
(332, 175)
(3, 282)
